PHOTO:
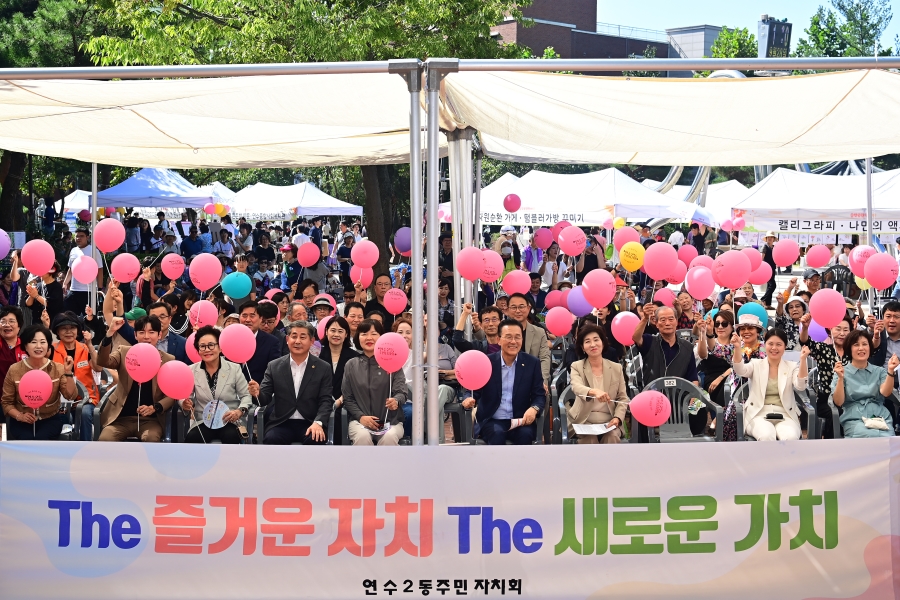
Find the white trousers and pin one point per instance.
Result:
(769, 431)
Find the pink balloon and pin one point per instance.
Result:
(659, 260)
(391, 352)
(827, 307)
(564, 298)
(126, 267)
(473, 369)
(858, 258)
(559, 321)
(84, 215)
(687, 253)
(553, 299)
(881, 271)
(322, 327)
(35, 388)
(666, 296)
(110, 211)
(624, 235)
(109, 235)
(543, 238)
(623, 326)
(761, 275)
(172, 265)
(470, 263)
(608, 224)
(271, 293)
(84, 269)
(362, 275)
(203, 312)
(785, 252)
(599, 288)
(142, 362)
(731, 269)
(210, 209)
(699, 282)
(395, 301)
(556, 229)
(308, 253)
(364, 254)
(738, 224)
(677, 276)
(189, 349)
(571, 241)
(38, 257)
(754, 256)
(650, 408)
(512, 203)
(727, 225)
(205, 271)
(516, 282)
(704, 260)
(493, 266)
(328, 297)
(238, 343)
(818, 256)
(176, 380)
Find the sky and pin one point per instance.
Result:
(662, 14)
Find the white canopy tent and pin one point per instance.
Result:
(720, 197)
(148, 188)
(792, 201)
(218, 191)
(307, 199)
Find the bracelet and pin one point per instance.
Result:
(891, 374)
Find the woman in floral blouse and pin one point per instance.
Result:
(787, 317)
(714, 350)
(826, 356)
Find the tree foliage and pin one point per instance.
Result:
(733, 43)
(853, 28)
(649, 52)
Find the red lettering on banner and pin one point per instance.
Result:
(401, 509)
(179, 535)
(371, 524)
(298, 510)
(234, 522)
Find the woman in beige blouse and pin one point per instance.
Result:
(599, 387)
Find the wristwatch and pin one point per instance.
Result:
(244, 410)
(319, 423)
(158, 408)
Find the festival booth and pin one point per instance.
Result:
(719, 197)
(219, 191)
(288, 201)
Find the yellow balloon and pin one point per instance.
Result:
(618, 223)
(121, 211)
(220, 209)
(862, 283)
(632, 256)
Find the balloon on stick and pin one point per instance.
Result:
(473, 369)
(391, 352)
(470, 263)
(142, 362)
(38, 257)
(109, 235)
(205, 271)
(238, 343)
(623, 326)
(172, 265)
(176, 380)
(126, 267)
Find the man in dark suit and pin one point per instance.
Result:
(268, 321)
(298, 387)
(268, 347)
(169, 342)
(514, 396)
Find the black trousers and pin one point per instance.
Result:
(292, 430)
(76, 301)
(770, 290)
(201, 434)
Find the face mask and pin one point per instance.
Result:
(506, 251)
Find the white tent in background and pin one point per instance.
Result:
(265, 199)
(148, 188)
(720, 197)
(219, 191)
(791, 201)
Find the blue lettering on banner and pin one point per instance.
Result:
(124, 531)
(524, 535)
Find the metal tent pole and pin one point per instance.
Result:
(435, 70)
(465, 189)
(457, 210)
(869, 227)
(411, 71)
(476, 233)
(92, 290)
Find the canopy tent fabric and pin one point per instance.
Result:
(491, 195)
(218, 191)
(307, 199)
(237, 122)
(845, 167)
(791, 201)
(720, 197)
(543, 117)
(582, 199)
(148, 188)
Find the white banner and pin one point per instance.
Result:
(747, 520)
(832, 226)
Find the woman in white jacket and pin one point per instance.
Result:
(770, 411)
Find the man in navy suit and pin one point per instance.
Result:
(268, 348)
(514, 396)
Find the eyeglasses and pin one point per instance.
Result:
(210, 346)
(8, 322)
(722, 324)
(518, 306)
(491, 320)
(270, 321)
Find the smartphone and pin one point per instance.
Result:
(587, 243)
(774, 417)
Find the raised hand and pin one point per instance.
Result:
(806, 319)
(736, 339)
(893, 363)
(839, 369)
(804, 352)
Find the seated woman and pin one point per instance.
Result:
(714, 349)
(217, 381)
(372, 397)
(860, 388)
(44, 423)
(599, 387)
(826, 355)
(770, 411)
(338, 354)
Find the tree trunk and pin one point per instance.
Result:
(375, 216)
(104, 174)
(10, 201)
(388, 199)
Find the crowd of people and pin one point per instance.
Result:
(301, 376)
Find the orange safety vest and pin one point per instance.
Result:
(83, 371)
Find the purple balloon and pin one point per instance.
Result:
(5, 244)
(817, 333)
(578, 304)
(403, 239)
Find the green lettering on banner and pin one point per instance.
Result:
(805, 501)
(681, 508)
(757, 504)
(622, 526)
(595, 525)
(569, 539)
(775, 519)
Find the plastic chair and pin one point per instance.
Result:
(98, 409)
(566, 395)
(557, 387)
(838, 276)
(462, 425)
(677, 429)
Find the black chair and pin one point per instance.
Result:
(461, 420)
(840, 277)
(677, 429)
(99, 409)
(686, 335)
